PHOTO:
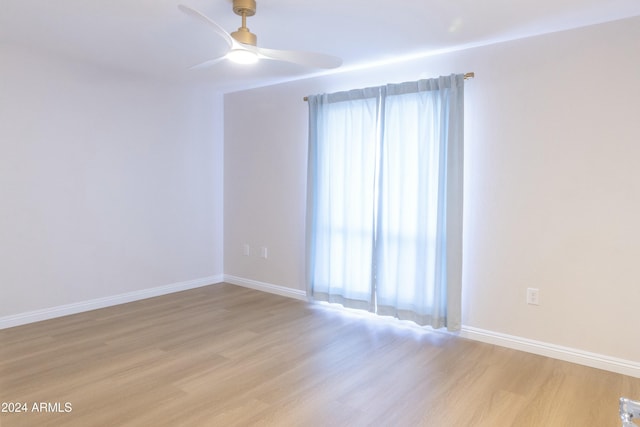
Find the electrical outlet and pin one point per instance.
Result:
(264, 252)
(246, 249)
(533, 296)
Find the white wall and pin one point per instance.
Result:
(109, 184)
(552, 196)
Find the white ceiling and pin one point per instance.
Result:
(152, 37)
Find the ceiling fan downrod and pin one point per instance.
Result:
(244, 8)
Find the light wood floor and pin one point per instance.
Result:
(225, 356)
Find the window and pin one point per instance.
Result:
(385, 199)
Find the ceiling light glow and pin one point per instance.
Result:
(242, 56)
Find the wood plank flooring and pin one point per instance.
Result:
(229, 356)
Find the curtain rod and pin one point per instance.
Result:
(466, 77)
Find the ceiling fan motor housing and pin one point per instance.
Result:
(244, 36)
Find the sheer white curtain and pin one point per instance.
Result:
(385, 199)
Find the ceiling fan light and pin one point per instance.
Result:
(242, 56)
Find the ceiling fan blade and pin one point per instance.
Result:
(207, 63)
(308, 59)
(217, 28)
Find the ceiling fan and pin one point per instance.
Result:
(242, 44)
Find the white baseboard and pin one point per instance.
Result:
(599, 361)
(266, 287)
(79, 307)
